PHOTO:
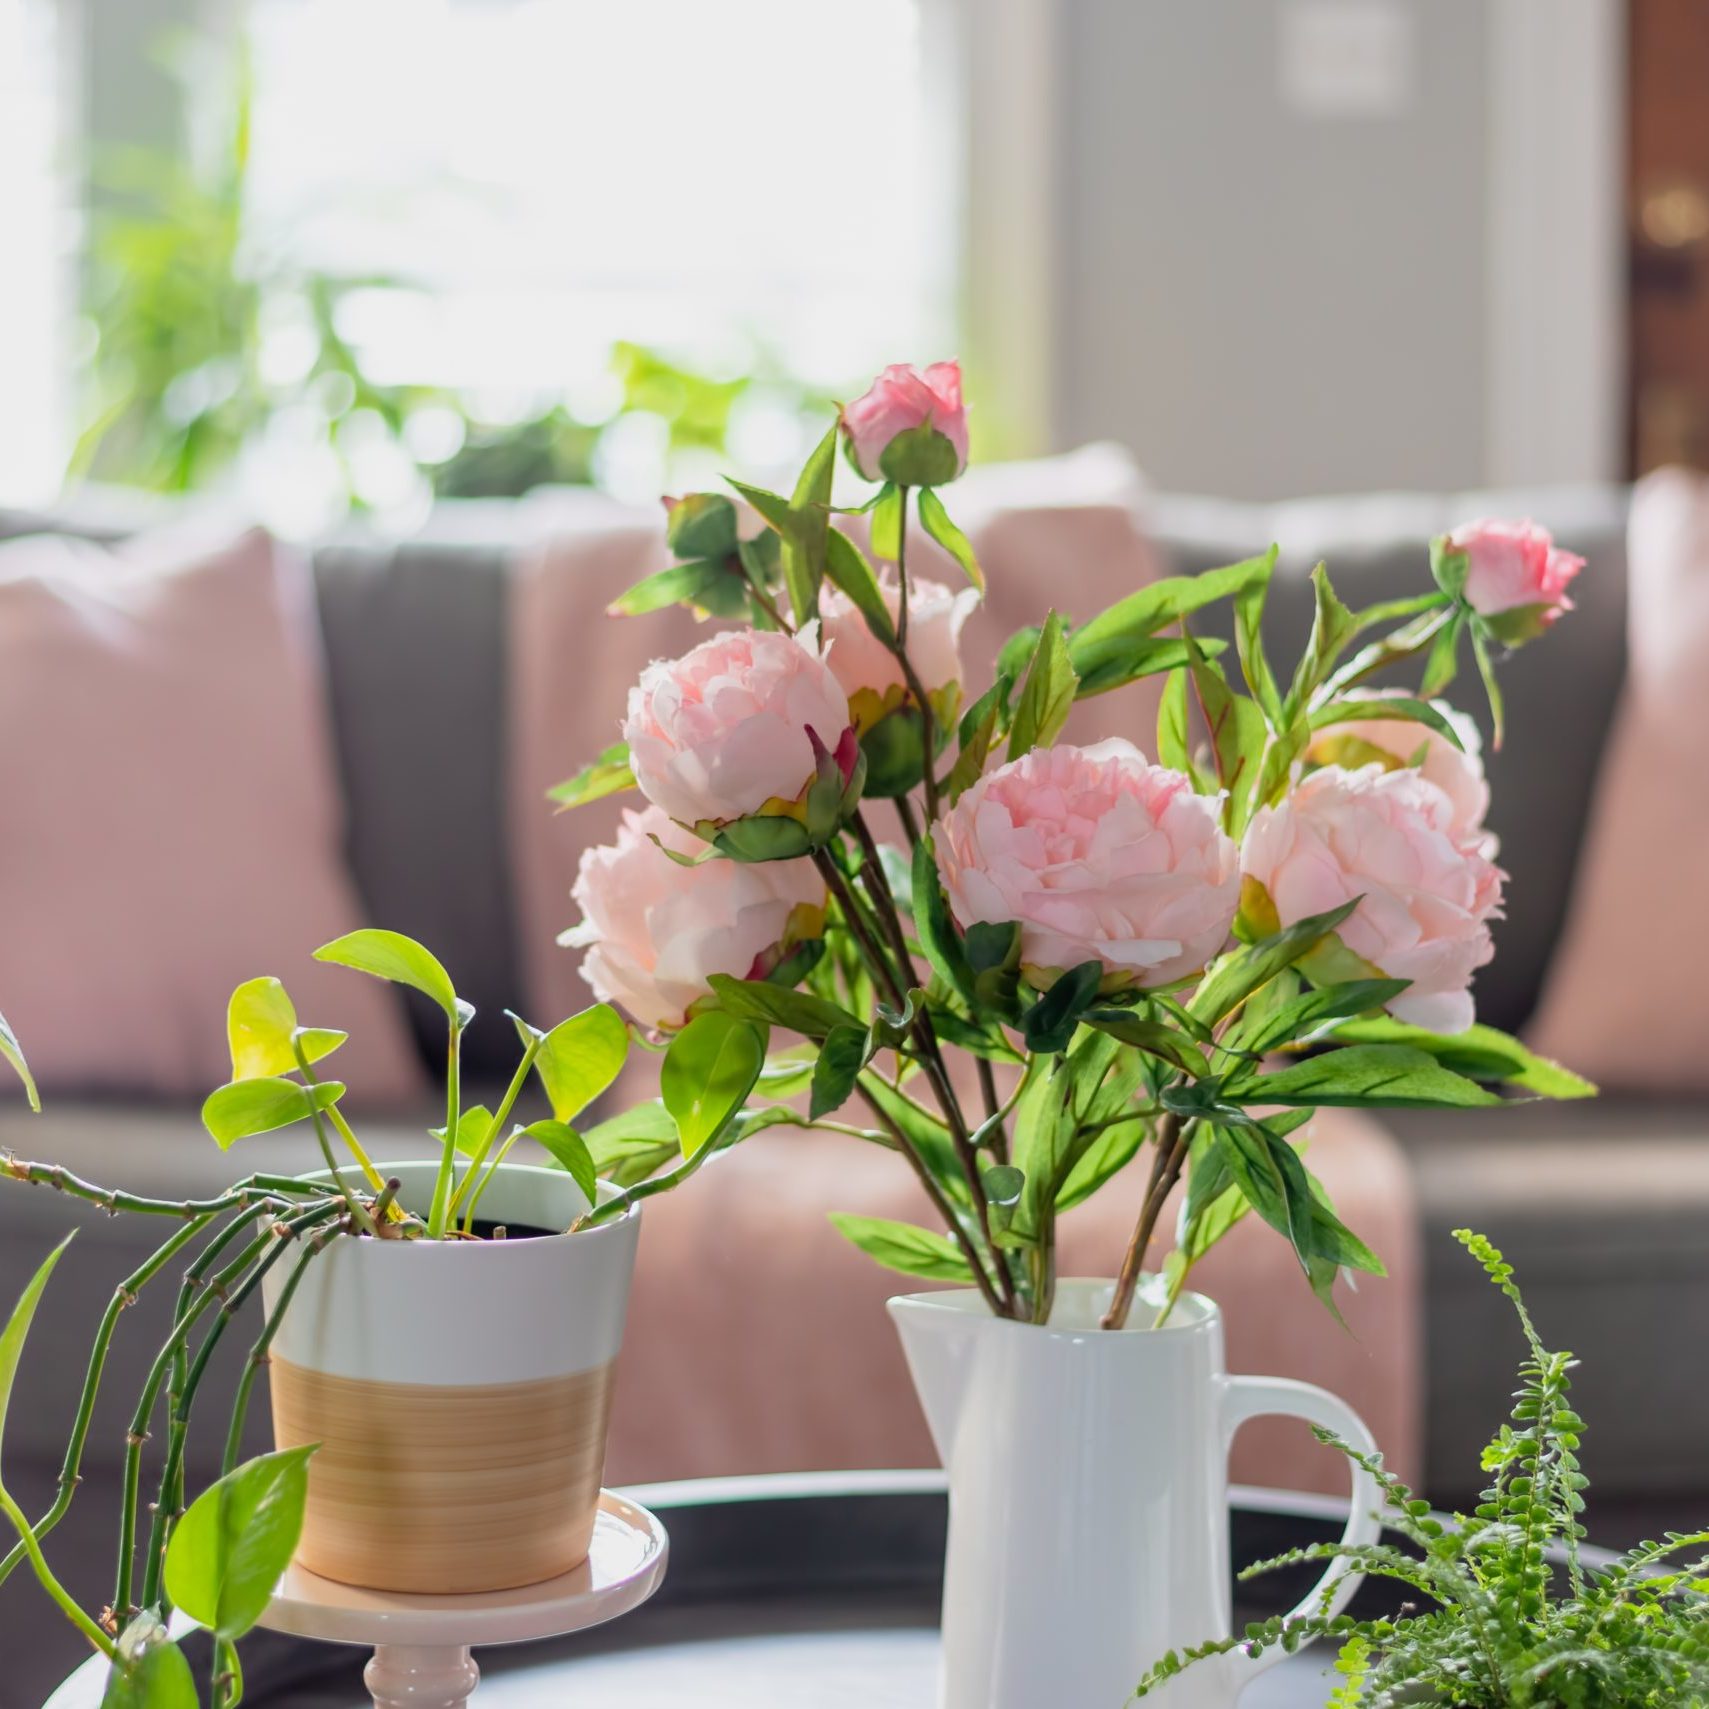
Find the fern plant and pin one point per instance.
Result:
(1497, 1629)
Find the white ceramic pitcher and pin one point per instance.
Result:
(1088, 1496)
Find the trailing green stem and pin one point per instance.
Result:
(70, 1469)
(44, 1575)
(171, 1480)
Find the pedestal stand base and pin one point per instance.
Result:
(421, 1643)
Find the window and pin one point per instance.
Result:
(526, 181)
(32, 393)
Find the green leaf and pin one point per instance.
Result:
(936, 522)
(767, 1004)
(1152, 1037)
(569, 1151)
(261, 1025)
(708, 1072)
(1480, 1053)
(979, 726)
(1174, 745)
(846, 568)
(1368, 1076)
(1107, 1155)
(1108, 636)
(580, 1057)
(228, 1551)
(150, 1671)
(1332, 627)
(1047, 695)
(474, 1129)
(1249, 637)
(10, 1052)
(18, 1327)
(1492, 688)
(1443, 663)
(242, 1108)
(841, 1059)
(1234, 977)
(1049, 1024)
(1143, 658)
(1449, 566)
(887, 523)
(933, 925)
(1313, 1009)
(607, 775)
(804, 544)
(1360, 709)
(634, 1144)
(1237, 732)
(390, 955)
(902, 1246)
(702, 525)
(681, 584)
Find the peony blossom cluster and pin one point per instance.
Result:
(1428, 889)
(1100, 857)
(656, 931)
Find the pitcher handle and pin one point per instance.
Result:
(1265, 1397)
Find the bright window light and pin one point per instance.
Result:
(33, 423)
(734, 182)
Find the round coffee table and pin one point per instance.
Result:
(818, 1591)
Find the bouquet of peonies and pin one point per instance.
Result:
(1075, 954)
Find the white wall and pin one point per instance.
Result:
(1267, 292)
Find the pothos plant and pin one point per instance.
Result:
(217, 1559)
(1495, 1630)
(1069, 955)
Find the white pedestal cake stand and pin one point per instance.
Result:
(421, 1644)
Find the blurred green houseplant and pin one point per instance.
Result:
(180, 297)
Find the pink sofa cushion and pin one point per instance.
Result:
(172, 822)
(1626, 1002)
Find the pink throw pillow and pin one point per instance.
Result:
(1626, 1002)
(169, 818)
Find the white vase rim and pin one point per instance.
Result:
(1088, 1297)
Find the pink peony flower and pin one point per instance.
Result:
(868, 670)
(1389, 836)
(1100, 856)
(736, 727)
(902, 402)
(1512, 566)
(1457, 772)
(655, 931)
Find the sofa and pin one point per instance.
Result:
(1600, 1205)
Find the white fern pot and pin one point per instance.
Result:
(1088, 1496)
(459, 1391)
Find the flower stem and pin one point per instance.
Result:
(44, 1575)
(439, 1214)
(506, 1104)
(922, 701)
(1172, 1143)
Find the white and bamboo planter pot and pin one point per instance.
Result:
(459, 1391)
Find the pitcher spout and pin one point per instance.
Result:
(938, 1332)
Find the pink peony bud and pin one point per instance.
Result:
(1100, 856)
(1396, 742)
(1514, 567)
(739, 730)
(1388, 836)
(911, 427)
(656, 932)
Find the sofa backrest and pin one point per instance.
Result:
(415, 638)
